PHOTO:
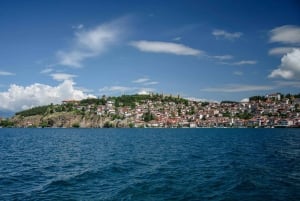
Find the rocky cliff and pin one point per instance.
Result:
(67, 120)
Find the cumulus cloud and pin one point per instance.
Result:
(91, 43)
(5, 73)
(62, 76)
(233, 88)
(245, 100)
(165, 47)
(226, 35)
(289, 67)
(18, 97)
(288, 34)
(143, 92)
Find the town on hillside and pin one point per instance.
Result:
(161, 111)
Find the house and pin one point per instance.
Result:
(275, 96)
(285, 123)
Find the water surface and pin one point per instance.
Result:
(149, 164)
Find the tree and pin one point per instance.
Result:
(75, 125)
(192, 110)
(131, 125)
(6, 123)
(204, 104)
(244, 115)
(257, 98)
(148, 116)
(107, 125)
(41, 110)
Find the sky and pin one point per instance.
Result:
(204, 50)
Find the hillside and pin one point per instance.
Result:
(89, 113)
(162, 111)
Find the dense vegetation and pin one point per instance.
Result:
(148, 116)
(130, 100)
(6, 123)
(257, 98)
(244, 115)
(33, 111)
(229, 102)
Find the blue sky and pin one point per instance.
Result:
(212, 50)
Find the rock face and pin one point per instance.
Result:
(66, 120)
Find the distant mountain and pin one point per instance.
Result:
(6, 114)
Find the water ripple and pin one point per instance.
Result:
(149, 164)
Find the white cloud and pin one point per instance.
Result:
(288, 34)
(145, 91)
(238, 73)
(177, 38)
(141, 80)
(47, 70)
(289, 67)
(150, 83)
(244, 62)
(73, 58)
(245, 100)
(62, 76)
(79, 26)
(85, 90)
(145, 81)
(239, 63)
(116, 89)
(295, 84)
(18, 98)
(226, 35)
(223, 57)
(5, 73)
(233, 88)
(200, 99)
(280, 50)
(91, 43)
(165, 47)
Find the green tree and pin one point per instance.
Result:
(107, 125)
(6, 123)
(148, 116)
(75, 125)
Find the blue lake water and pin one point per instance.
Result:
(150, 164)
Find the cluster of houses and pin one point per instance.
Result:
(273, 111)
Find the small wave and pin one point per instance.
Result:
(245, 185)
(64, 182)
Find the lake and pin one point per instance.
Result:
(150, 164)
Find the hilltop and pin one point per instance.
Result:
(157, 110)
